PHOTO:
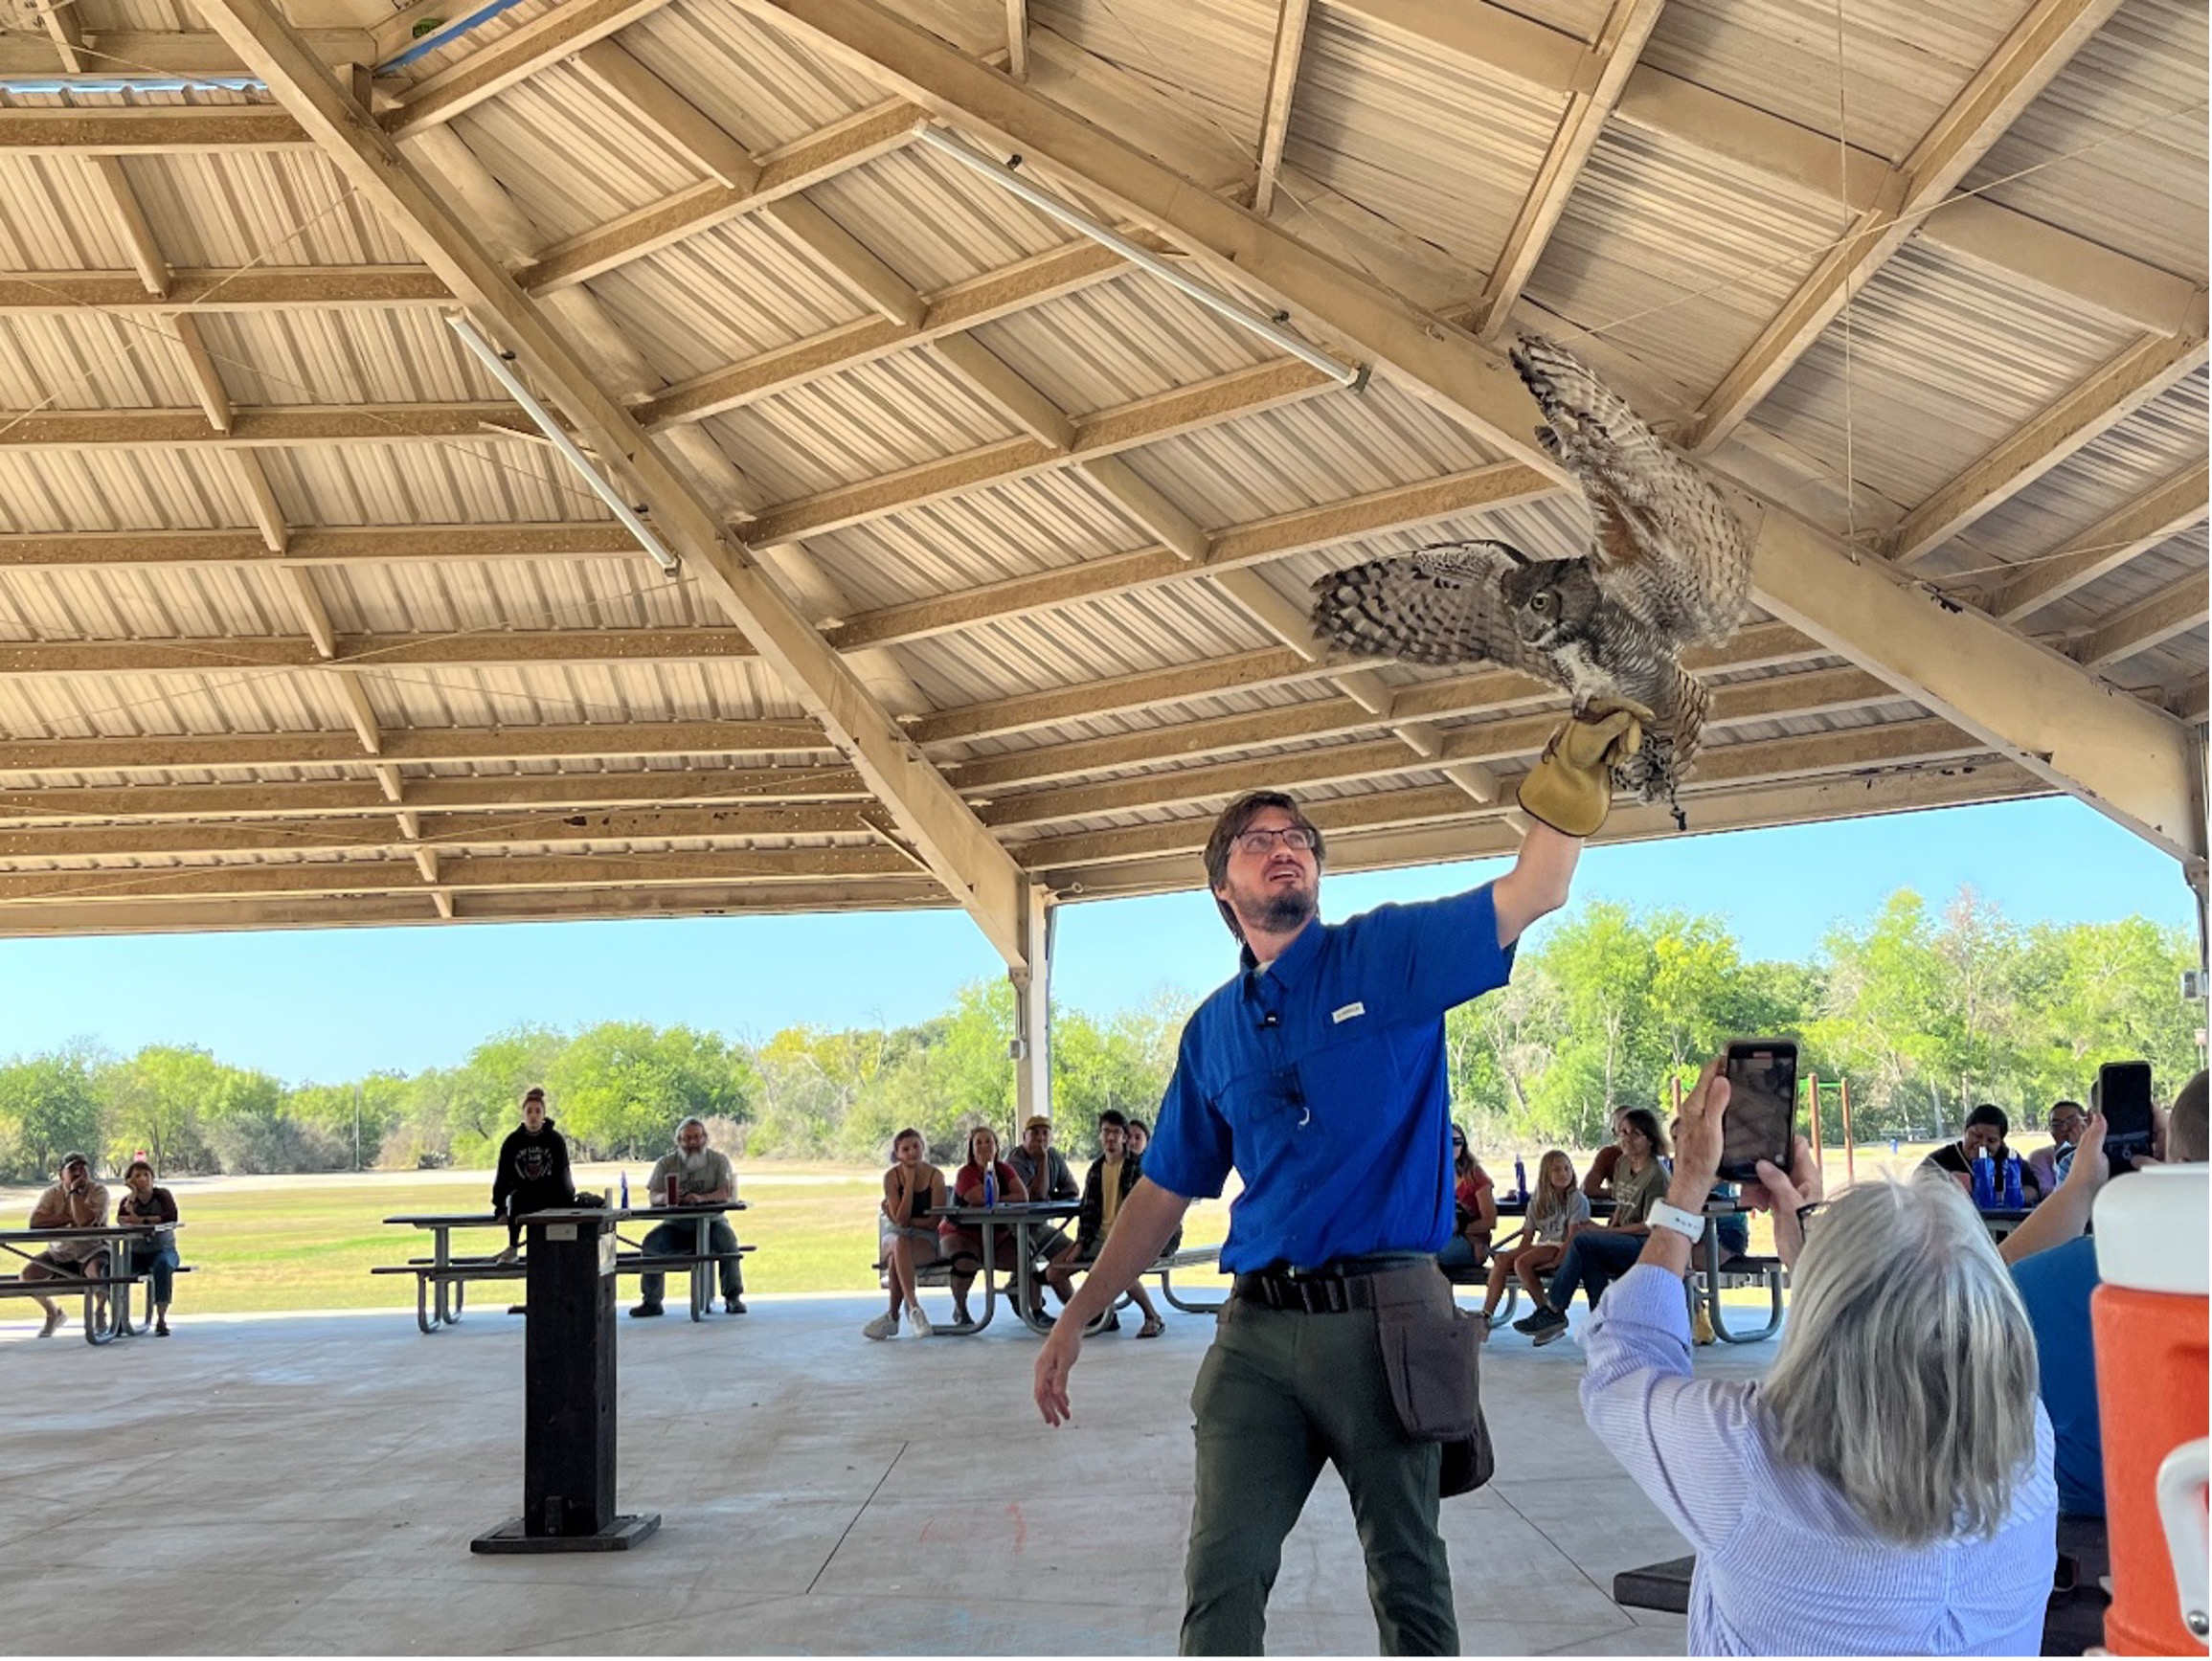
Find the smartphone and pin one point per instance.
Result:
(2123, 1096)
(1762, 1119)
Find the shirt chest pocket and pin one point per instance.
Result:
(1341, 1078)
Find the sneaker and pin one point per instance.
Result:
(1534, 1320)
(161, 1329)
(53, 1320)
(732, 1306)
(1554, 1327)
(518, 1309)
(884, 1326)
(1702, 1326)
(919, 1322)
(508, 1255)
(645, 1310)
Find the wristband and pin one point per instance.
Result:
(1689, 1224)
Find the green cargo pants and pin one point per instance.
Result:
(1279, 1392)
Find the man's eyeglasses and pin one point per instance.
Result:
(1295, 837)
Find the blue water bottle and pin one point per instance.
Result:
(2014, 1199)
(990, 1189)
(625, 1190)
(1984, 1182)
(1520, 1178)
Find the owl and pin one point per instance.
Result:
(1669, 567)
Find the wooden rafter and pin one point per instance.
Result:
(508, 60)
(2165, 510)
(277, 426)
(2137, 376)
(1619, 43)
(2038, 46)
(222, 654)
(177, 129)
(264, 288)
(950, 842)
(2151, 621)
(1282, 80)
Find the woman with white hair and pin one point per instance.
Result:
(1886, 1490)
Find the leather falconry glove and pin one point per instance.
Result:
(1570, 786)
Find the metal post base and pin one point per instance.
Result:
(619, 1535)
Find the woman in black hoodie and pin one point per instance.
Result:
(534, 1171)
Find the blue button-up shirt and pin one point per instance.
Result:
(1320, 1079)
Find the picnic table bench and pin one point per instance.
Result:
(115, 1288)
(1034, 1223)
(441, 1280)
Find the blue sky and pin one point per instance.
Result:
(336, 1004)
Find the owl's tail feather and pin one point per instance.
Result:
(1670, 743)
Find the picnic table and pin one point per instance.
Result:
(116, 1286)
(1034, 1223)
(441, 1279)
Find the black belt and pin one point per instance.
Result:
(1348, 1283)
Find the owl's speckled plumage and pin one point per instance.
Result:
(1669, 567)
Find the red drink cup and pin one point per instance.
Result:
(675, 1180)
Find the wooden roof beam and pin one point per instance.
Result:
(2166, 510)
(418, 745)
(945, 833)
(2149, 367)
(2149, 622)
(264, 288)
(149, 130)
(511, 59)
(173, 52)
(275, 426)
(226, 653)
(1282, 80)
(1620, 42)
(784, 173)
(2038, 46)
(2129, 762)
(315, 544)
(507, 794)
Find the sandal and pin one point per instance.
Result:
(1152, 1328)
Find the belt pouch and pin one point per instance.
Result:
(1428, 1355)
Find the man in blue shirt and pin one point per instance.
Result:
(1319, 1075)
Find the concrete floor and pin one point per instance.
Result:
(310, 1484)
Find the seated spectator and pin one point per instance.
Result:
(2066, 1122)
(1046, 1175)
(1111, 1180)
(911, 1189)
(2054, 1265)
(532, 1174)
(1985, 1134)
(74, 1202)
(1597, 1181)
(1557, 1209)
(964, 1246)
(1474, 1209)
(1594, 1255)
(156, 1256)
(703, 1176)
(1886, 1489)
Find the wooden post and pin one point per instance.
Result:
(1850, 1143)
(1813, 1122)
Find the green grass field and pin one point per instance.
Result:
(308, 1243)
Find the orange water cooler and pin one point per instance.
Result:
(2150, 1324)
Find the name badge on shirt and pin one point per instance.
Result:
(1350, 1011)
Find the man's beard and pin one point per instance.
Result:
(1284, 911)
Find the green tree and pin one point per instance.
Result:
(154, 1101)
(619, 1089)
(48, 1108)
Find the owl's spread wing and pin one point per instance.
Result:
(1672, 550)
(1435, 607)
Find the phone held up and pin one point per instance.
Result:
(2123, 1096)
(1762, 1118)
